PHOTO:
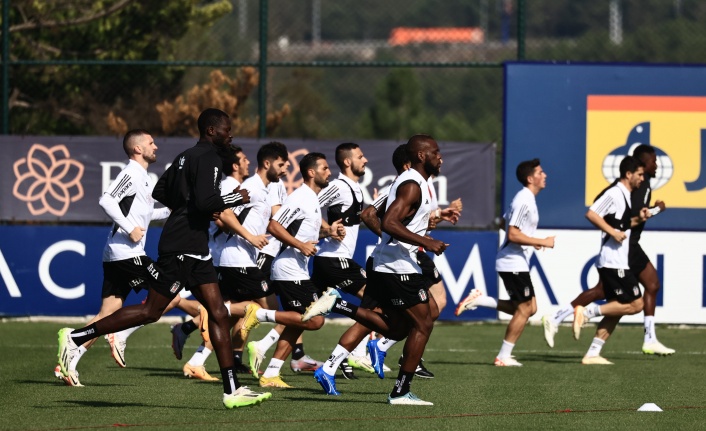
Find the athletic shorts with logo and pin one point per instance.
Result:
(296, 295)
(637, 259)
(264, 262)
(338, 272)
(400, 291)
(620, 285)
(518, 286)
(174, 272)
(429, 270)
(242, 284)
(368, 302)
(122, 276)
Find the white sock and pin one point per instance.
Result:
(385, 343)
(273, 369)
(338, 355)
(268, 341)
(264, 315)
(200, 356)
(562, 314)
(125, 333)
(227, 304)
(74, 362)
(487, 301)
(592, 310)
(506, 350)
(360, 348)
(650, 336)
(596, 346)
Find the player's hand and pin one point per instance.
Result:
(645, 214)
(661, 205)
(375, 194)
(457, 205)
(216, 215)
(258, 241)
(137, 234)
(337, 231)
(244, 193)
(619, 236)
(435, 246)
(308, 248)
(548, 242)
(432, 223)
(450, 215)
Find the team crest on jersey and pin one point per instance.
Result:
(181, 162)
(175, 287)
(621, 273)
(422, 294)
(263, 284)
(316, 297)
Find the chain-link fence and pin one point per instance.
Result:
(310, 68)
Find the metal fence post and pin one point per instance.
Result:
(262, 91)
(521, 11)
(5, 67)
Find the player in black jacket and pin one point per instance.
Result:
(191, 188)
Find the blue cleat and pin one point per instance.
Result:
(377, 358)
(327, 381)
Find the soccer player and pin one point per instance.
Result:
(396, 282)
(191, 188)
(128, 202)
(298, 226)
(640, 266)
(512, 261)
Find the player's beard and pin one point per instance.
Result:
(431, 169)
(272, 175)
(321, 182)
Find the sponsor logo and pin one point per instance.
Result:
(343, 284)
(621, 273)
(436, 273)
(153, 271)
(396, 301)
(136, 282)
(48, 180)
(675, 126)
(618, 291)
(295, 303)
(124, 189)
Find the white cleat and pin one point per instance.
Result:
(408, 399)
(469, 303)
(550, 329)
(67, 350)
(117, 349)
(506, 362)
(657, 348)
(255, 358)
(72, 379)
(595, 360)
(580, 320)
(323, 305)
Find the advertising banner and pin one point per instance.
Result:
(53, 178)
(580, 120)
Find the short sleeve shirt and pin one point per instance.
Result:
(523, 214)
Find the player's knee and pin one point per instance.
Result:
(636, 306)
(652, 287)
(219, 313)
(151, 316)
(316, 323)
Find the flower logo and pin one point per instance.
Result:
(292, 181)
(48, 180)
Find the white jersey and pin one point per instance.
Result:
(301, 216)
(128, 202)
(342, 195)
(392, 255)
(277, 195)
(614, 204)
(254, 216)
(523, 214)
(216, 237)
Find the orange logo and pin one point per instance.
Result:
(48, 180)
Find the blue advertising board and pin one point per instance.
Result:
(580, 120)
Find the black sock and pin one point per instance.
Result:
(230, 381)
(402, 384)
(188, 327)
(298, 351)
(238, 356)
(84, 334)
(344, 308)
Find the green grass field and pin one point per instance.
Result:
(552, 391)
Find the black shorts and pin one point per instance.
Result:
(264, 262)
(177, 271)
(619, 285)
(339, 272)
(429, 270)
(518, 286)
(296, 295)
(637, 259)
(242, 284)
(401, 291)
(121, 276)
(368, 302)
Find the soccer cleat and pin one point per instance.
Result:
(244, 397)
(550, 329)
(203, 324)
(408, 399)
(506, 362)
(595, 360)
(469, 303)
(386, 369)
(327, 381)
(377, 357)
(579, 321)
(241, 368)
(67, 350)
(250, 321)
(255, 358)
(198, 372)
(362, 363)
(323, 305)
(422, 371)
(305, 363)
(657, 348)
(72, 379)
(178, 340)
(273, 382)
(57, 372)
(346, 370)
(117, 349)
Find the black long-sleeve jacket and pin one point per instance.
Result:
(191, 187)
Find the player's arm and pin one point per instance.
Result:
(515, 235)
(207, 194)
(110, 202)
(279, 232)
(408, 194)
(603, 225)
(227, 221)
(160, 213)
(335, 230)
(371, 220)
